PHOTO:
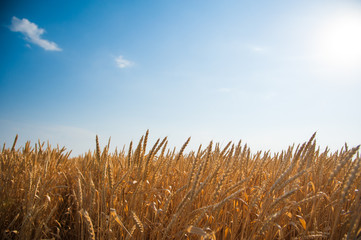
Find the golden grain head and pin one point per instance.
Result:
(214, 193)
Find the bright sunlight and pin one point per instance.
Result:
(338, 41)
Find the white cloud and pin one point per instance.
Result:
(123, 63)
(32, 33)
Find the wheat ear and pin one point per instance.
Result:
(89, 224)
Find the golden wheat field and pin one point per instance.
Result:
(152, 192)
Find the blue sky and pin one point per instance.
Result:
(268, 72)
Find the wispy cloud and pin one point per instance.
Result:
(32, 33)
(123, 63)
(257, 49)
(224, 90)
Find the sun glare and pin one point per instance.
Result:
(338, 42)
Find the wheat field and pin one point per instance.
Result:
(153, 192)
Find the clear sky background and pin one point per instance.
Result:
(268, 72)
